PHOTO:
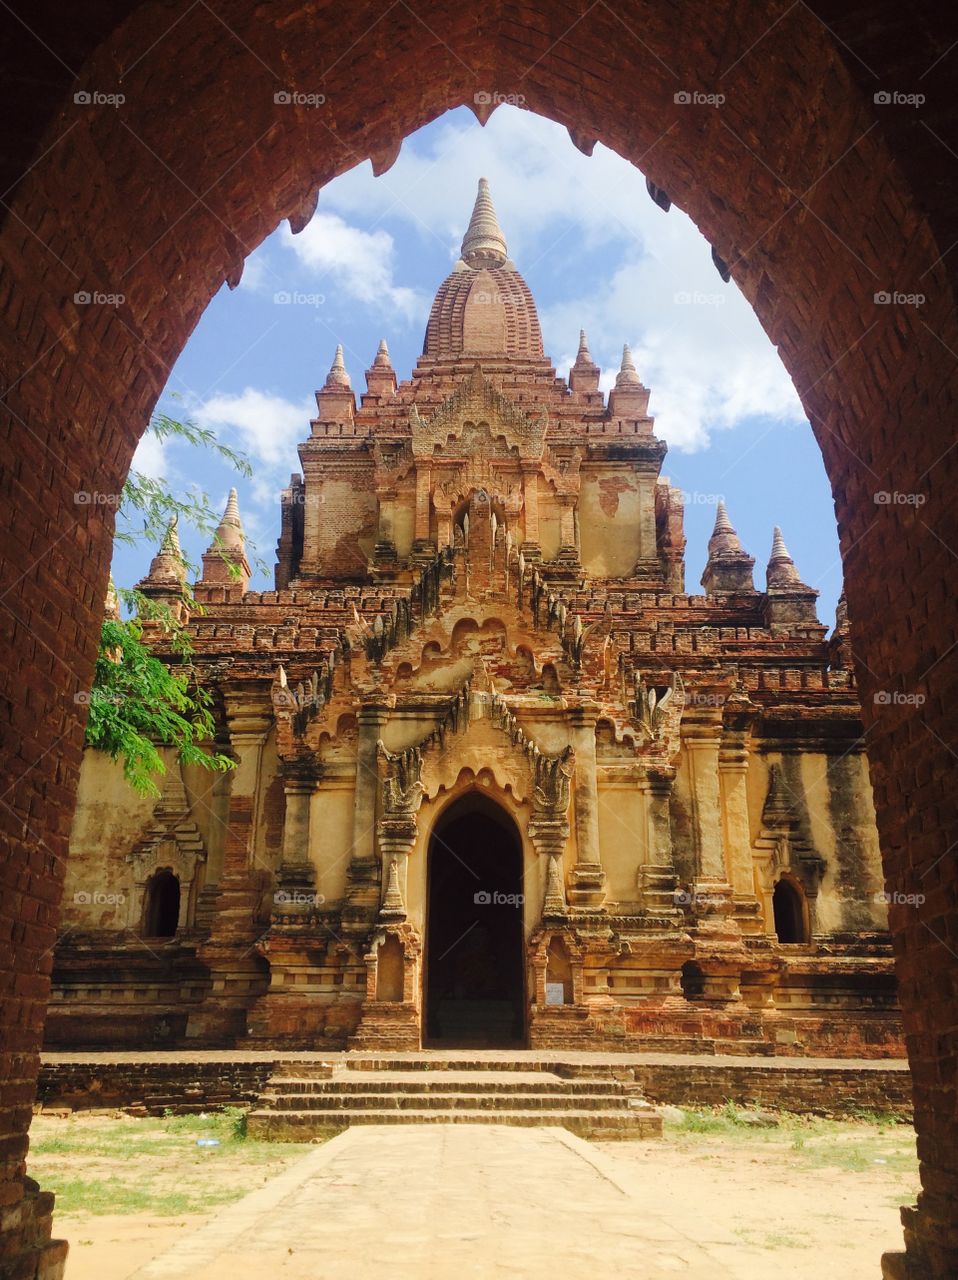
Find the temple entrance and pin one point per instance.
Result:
(474, 974)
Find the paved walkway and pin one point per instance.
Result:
(446, 1202)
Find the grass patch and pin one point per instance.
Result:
(97, 1165)
(870, 1142)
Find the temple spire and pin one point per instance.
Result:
(584, 355)
(381, 376)
(724, 537)
(337, 376)
(781, 571)
(790, 603)
(382, 360)
(224, 561)
(230, 529)
(167, 577)
(585, 373)
(627, 375)
(484, 245)
(729, 566)
(168, 564)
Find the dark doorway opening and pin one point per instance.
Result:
(789, 910)
(474, 939)
(162, 915)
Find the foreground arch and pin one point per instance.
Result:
(817, 197)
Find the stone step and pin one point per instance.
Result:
(384, 1099)
(299, 1126)
(415, 1083)
(502, 1064)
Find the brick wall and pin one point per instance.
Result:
(807, 1090)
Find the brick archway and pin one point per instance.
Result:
(816, 199)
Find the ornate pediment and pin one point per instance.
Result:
(171, 836)
(478, 419)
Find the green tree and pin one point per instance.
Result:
(140, 703)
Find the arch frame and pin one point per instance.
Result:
(809, 231)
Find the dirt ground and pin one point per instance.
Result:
(808, 1199)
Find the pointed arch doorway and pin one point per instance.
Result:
(475, 972)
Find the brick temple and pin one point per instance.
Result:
(500, 780)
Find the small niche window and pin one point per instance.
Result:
(788, 907)
(161, 912)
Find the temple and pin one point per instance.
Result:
(500, 779)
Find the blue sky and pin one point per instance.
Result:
(596, 253)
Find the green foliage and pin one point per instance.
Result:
(139, 703)
(148, 505)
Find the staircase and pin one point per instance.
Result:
(304, 1100)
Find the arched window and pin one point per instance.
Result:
(788, 907)
(161, 911)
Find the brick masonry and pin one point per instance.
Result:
(87, 206)
(191, 1083)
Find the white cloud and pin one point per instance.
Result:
(358, 263)
(267, 427)
(150, 458)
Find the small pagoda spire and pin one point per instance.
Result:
(781, 571)
(382, 360)
(337, 376)
(381, 376)
(484, 245)
(168, 565)
(224, 561)
(627, 375)
(724, 537)
(229, 532)
(629, 399)
(790, 603)
(335, 401)
(167, 576)
(729, 566)
(585, 373)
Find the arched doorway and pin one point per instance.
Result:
(161, 911)
(788, 909)
(474, 972)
